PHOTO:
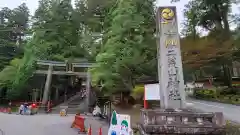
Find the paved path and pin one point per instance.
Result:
(42, 124)
(53, 124)
(231, 112)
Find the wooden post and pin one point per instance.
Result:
(47, 85)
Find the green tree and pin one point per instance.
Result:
(13, 25)
(56, 37)
(94, 20)
(191, 20)
(213, 16)
(127, 45)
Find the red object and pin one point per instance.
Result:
(90, 130)
(3, 110)
(100, 131)
(145, 104)
(34, 105)
(79, 123)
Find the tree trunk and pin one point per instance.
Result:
(226, 33)
(226, 24)
(218, 18)
(218, 25)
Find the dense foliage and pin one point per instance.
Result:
(127, 46)
(118, 36)
(219, 95)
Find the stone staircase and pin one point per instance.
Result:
(74, 104)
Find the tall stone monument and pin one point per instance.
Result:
(170, 70)
(173, 118)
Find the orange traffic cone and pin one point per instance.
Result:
(100, 131)
(90, 130)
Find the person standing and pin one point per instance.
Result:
(25, 108)
(21, 108)
(34, 109)
(10, 107)
(10, 104)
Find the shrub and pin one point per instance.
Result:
(226, 95)
(138, 92)
(205, 94)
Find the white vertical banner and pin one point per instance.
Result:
(171, 72)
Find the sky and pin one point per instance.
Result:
(33, 4)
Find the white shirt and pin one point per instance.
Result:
(96, 111)
(21, 107)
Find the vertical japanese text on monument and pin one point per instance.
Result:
(173, 78)
(171, 73)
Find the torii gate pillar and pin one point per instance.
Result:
(47, 85)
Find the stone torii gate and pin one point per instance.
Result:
(70, 70)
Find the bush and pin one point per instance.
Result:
(138, 92)
(217, 95)
(205, 94)
(236, 99)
